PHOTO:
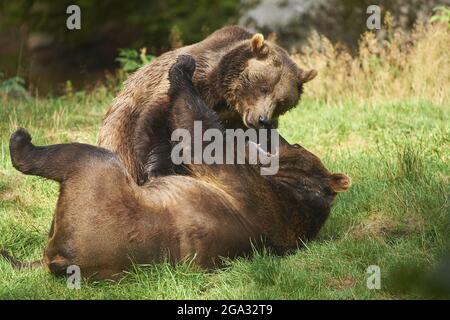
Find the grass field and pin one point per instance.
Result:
(395, 216)
(381, 116)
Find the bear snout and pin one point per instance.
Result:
(265, 122)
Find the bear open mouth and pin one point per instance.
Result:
(261, 152)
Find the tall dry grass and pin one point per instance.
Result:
(392, 64)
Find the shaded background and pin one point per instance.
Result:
(36, 45)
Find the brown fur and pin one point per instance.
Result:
(239, 75)
(104, 221)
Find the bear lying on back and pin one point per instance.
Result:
(104, 220)
(248, 81)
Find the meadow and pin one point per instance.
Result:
(385, 124)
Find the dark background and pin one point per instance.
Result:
(36, 45)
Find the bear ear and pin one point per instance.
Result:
(259, 47)
(339, 182)
(306, 76)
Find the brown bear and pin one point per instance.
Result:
(248, 81)
(104, 221)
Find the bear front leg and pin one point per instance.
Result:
(152, 145)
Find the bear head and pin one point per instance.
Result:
(260, 81)
(305, 173)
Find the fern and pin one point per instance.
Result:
(130, 60)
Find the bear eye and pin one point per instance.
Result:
(264, 90)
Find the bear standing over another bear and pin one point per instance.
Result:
(248, 81)
(104, 221)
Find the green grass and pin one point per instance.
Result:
(395, 215)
